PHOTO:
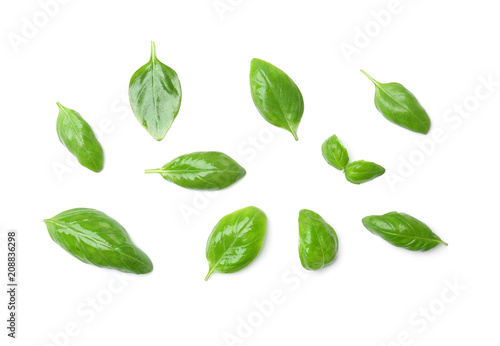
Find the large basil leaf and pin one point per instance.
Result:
(398, 105)
(95, 238)
(318, 242)
(155, 96)
(236, 240)
(276, 96)
(204, 170)
(335, 153)
(77, 135)
(359, 172)
(403, 230)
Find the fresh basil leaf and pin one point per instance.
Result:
(318, 242)
(276, 96)
(236, 240)
(398, 105)
(155, 96)
(335, 153)
(95, 238)
(77, 135)
(359, 172)
(403, 230)
(204, 170)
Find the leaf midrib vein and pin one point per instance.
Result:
(279, 103)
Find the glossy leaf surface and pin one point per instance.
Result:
(335, 153)
(204, 170)
(318, 242)
(398, 105)
(155, 96)
(276, 96)
(403, 230)
(359, 172)
(77, 135)
(236, 240)
(95, 238)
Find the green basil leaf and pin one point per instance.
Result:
(276, 96)
(318, 242)
(77, 135)
(95, 238)
(398, 105)
(155, 96)
(335, 153)
(403, 230)
(204, 170)
(359, 172)
(236, 240)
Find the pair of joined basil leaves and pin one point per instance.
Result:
(356, 172)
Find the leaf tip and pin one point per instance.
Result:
(256, 63)
(255, 60)
(158, 134)
(97, 167)
(426, 130)
(47, 222)
(148, 268)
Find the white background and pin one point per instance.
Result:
(83, 56)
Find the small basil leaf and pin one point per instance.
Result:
(95, 238)
(276, 96)
(335, 153)
(204, 170)
(155, 96)
(236, 240)
(398, 105)
(403, 230)
(359, 172)
(77, 135)
(318, 242)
